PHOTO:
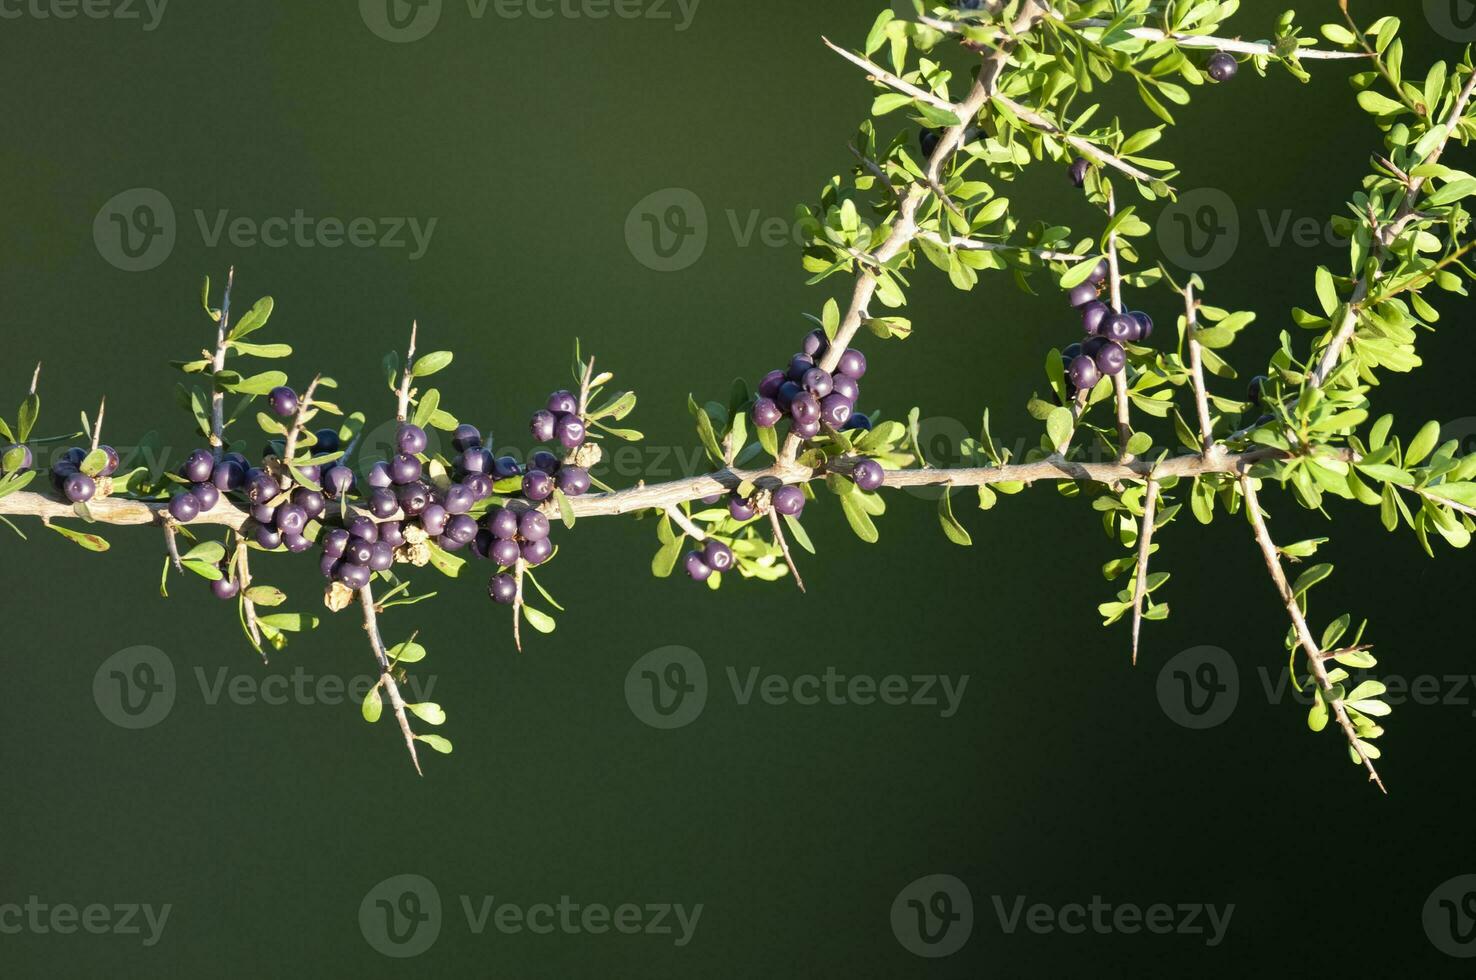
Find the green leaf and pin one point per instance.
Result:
(1311, 577)
(566, 509)
(445, 562)
(666, 557)
(270, 351)
(266, 595)
(210, 552)
(441, 745)
(373, 705)
(798, 532)
(30, 410)
(431, 363)
(859, 520)
(255, 318)
(705, 431)
(428, 712)
(259, 384)
(1421, 445)
(539, 620)
(89, 541)
(429, 404)
(290, 622)
(1058, 426)
(1317, 717)
(951, 527)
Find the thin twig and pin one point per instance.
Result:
(517, 610)
(1084, 147)
(404, 395)
(975, 245)
(217, 394)
(97, 425)
(1196, 371)
(170, 543)
(1145, 545)
(1119, 380)
(386, 678)
(685, 523)
(783, 543)
(36, 378)
(304, 414)
(881, 75)
(1299, 622)
(243, 579)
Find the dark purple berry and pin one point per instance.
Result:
(1145, 325)
(836, 410)
(1090, 348)
(740, 509)
(503, 523)
(537, 552)
(503, 589)
(805, 408)
(198, 468)
(268, 537)
(505, 552)
(405, 470)
(928, 141)
(868, 474)
(858, 422)
(544, 461)
(207, 495)
(338, 481)
(225, 589)
(1111, 359)
(466, 437)
(798, 365)
(817, 382)
(264, 514)
(1100, 272)
(571, 431)
(109, 467)
(476, 460)
(1070, 353)
(80, 488)
(383, 504)
(1078, 171)
(788, 392)
(1092, 316)
(411, 440)
(538, 485)
(1222, 66)
(1119, 327)
(363, 527)
(532, 525)
(379, 476)
(789, 501)
(543, 425)
(312, 502)
(335, 540)
(459, 499)
(327, 442)
(359, 551)
(434, 519)
(562, 403)
(392, 533)
(852, 364)
(717, 556)
(1082, 294)
(296, 543)
(1257, 389)
(183, 508)
(479, 484)
(573, 481)
(806, 430)
(414, 499)
(815, 343)
(481, 545)
(328, 565)
(228, 475)
(291, 519)
(766, 413)
(1083, 373)
(283, 401)
(506, 466)
(846, 387)
(382, 560)
(697, 569)
(354, 577)
(769, 386)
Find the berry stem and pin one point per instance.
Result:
(783, 543)
(517, 609)
(404, 408)
(97, 425)
(1299, 622)
(304, 407)
(217, 394)
(386, 678)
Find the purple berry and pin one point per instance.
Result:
(805, 408)
(818, 382)
(327, 442)
(225, 589)
(383, 504)
(1083, 294)
(207, 495)
(544, 461)
(815, 343)
(503, 588)
(338, 481)
(392, 533)
(228, 475)
(335, 540)
(532, 526)
(364, 528)
(466, 437)
(198, 468)
(183, 508)
(264, 514)
(109, 468)
(268, 537)
(1111, 359)
(354, 577)
(1119, 327)
(1090, 348)
(571, 431)
(836, 410)
(296, 543)
(806, 430)
(789, 501)
(312, 502)
(798, 365)
(382, 560)
(852, 364)
(538, 485)
(25, 462)
(434, 519)
(766, 413)
(1100, 272)
(858, 422)
(697, 569)
(414, 499)
(291, 519)
(506, 553)
(1083, 373)
(80, 488)
(1092, 316)
(479, 484)
(503, 523)
(459, 499)
(1078, 171)
(505, 467)
(379, 476)
(740, 509)
(1145, 325)
(328, 565)
(543, 425)
(411, 440)
(769, 386)
(476, 460)
(562, 403)
(573, 481)
(868, 474)
(537, 552)
(1222, 66)
(788, 391)
(405, 470)
(846, 387)
(359, 551)
(283, 401)
(717, 556)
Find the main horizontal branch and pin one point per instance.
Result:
(660, 496)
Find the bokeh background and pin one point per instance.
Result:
(1063, 774)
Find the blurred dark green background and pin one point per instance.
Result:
(529, 141)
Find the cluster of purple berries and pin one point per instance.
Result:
(1104, 352)
(508, 536)
(811, 396)
(714, 556)
(67, 476)
(559, 421)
